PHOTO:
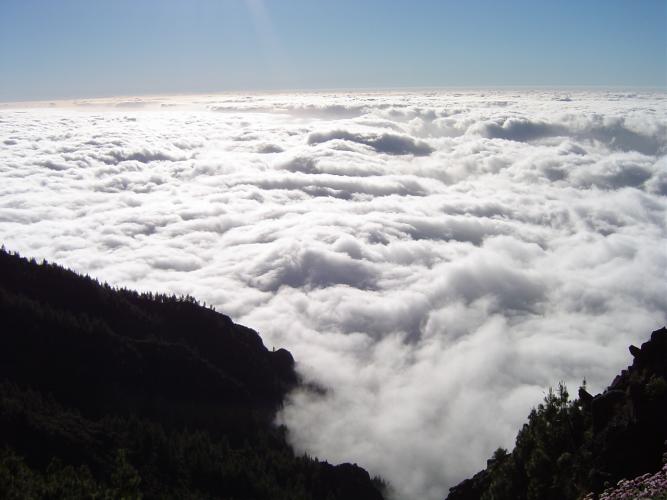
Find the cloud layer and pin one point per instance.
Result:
(434, 260)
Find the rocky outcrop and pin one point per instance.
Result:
(599, 440)
(629, 417)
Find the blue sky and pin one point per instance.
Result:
(81, 48)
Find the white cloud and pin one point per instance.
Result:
(433, 260)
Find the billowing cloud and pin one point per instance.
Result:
(389, 143)
(434, 260)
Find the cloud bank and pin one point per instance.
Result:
(434, 260)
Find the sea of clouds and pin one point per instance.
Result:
(434, 260)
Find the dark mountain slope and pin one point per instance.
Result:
(110, 393)
(569, 448)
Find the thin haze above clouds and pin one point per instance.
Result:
(433, 260)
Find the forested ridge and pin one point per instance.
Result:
(571, 448)
(109, 393)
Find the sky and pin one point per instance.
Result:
(80, 48)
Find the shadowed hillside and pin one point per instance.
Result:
(569, 448)
(108, 393)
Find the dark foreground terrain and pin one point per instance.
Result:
(108, 393)
(569, 448)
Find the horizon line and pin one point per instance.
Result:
(343, 90)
